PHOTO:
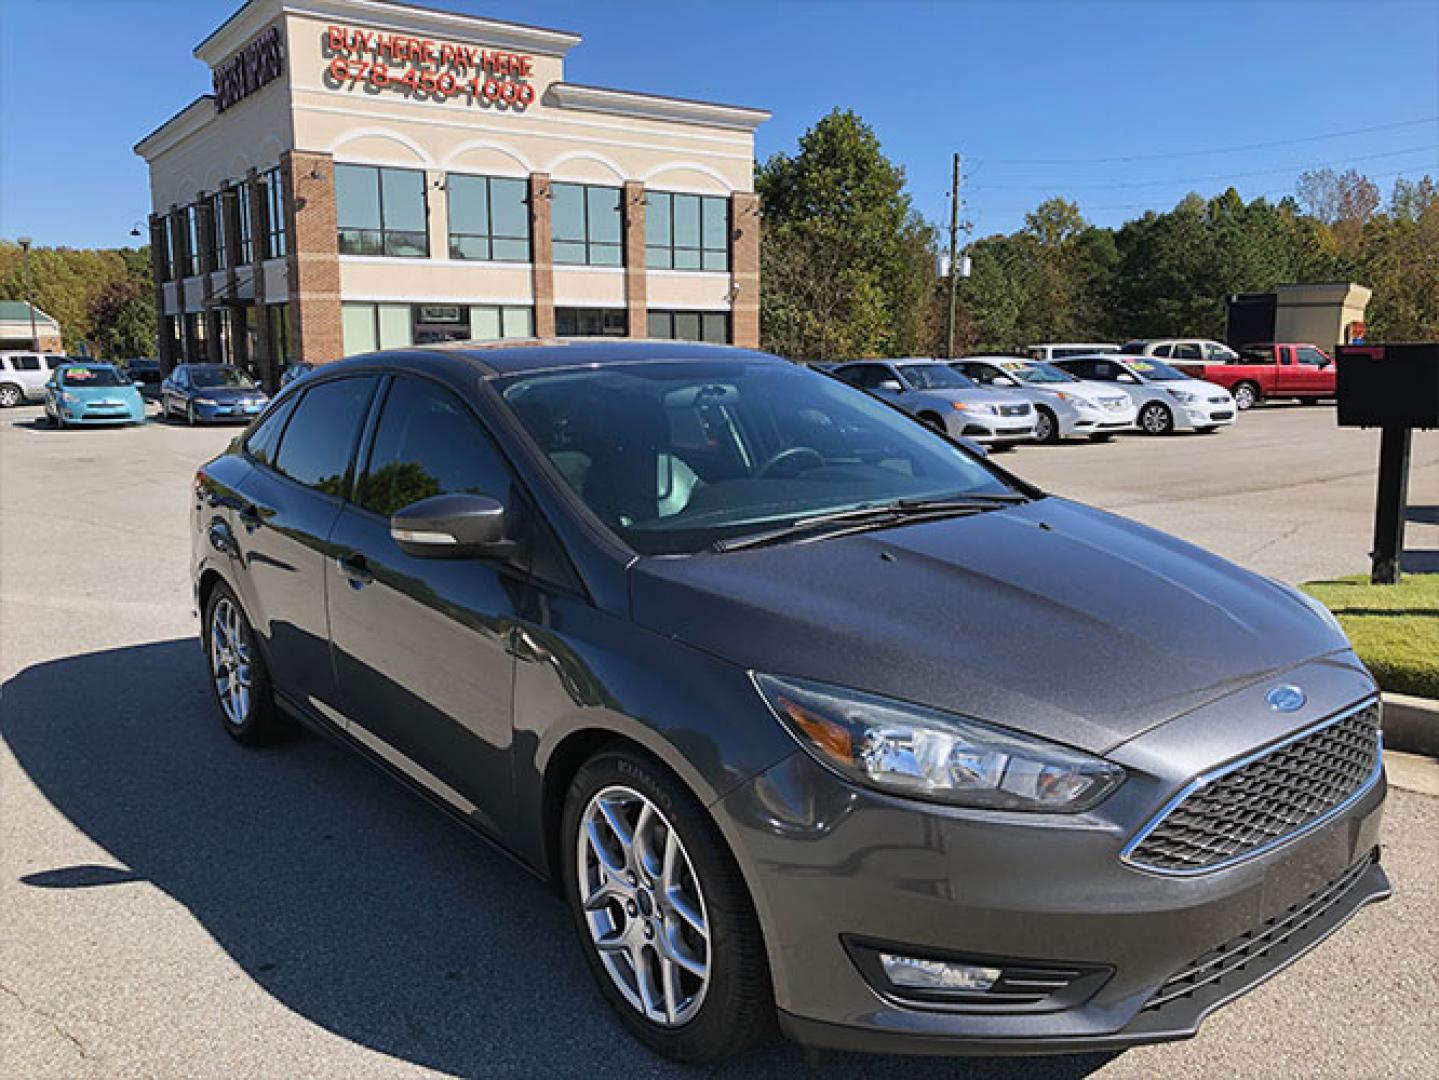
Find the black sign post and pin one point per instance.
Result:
(1396, 389)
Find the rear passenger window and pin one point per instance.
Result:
(261, 443)
(317, 443)
(428, 443)
(1187, 351)
(25, 363)
(1163, 350)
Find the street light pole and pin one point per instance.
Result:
(29, 292)
(953, 260)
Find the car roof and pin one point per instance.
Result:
(999, 358)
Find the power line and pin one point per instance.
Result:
(1220, 150)
(1427, 148)
(1150, 205)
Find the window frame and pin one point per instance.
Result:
(219, 250)
(672, 315)
(623, 314)
(383, 231)
(277, 236)
(192, 240)
(670, 247)
(357, 438)
(245, 226)
(589, 244)
(491, 236)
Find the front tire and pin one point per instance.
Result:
(238, 677)
(663, 916)
(10, 396)
(1046, 427)
(1246, 396)
(1156, 419)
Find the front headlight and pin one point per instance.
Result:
(1185, 396)
(974, 407)
(927, 754)
(68, 398)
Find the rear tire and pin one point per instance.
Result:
(629, 884)
(10, 396)
(239, 680)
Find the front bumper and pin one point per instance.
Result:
(992, 430)
(226, 412)
(1205, 415)
(89, 413)
(1097, 421)
(830, 863)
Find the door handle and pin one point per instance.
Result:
(355, 568)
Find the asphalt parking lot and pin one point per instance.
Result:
(173, 905)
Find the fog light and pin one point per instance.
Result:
(915, 974)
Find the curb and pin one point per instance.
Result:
(1411, 724)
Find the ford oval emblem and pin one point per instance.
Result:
(1286, 699)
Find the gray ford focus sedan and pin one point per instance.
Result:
(815, 720)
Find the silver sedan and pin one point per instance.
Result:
(934, 392)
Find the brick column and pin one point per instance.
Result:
(744, 269)
(264, 362)
(542, 255)
(230, 212)
(308, 182)
(636, 274)
(164, 347)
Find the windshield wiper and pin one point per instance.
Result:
(864, 518)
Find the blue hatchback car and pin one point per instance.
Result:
(92, 394)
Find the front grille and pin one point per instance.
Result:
(1255, 804)
(1221, 414)
(1115, 403)
(1014, 410)
(1256, 945)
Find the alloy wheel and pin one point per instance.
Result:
(1156, 419)
(9, 397)
(643, 905)
(230, 661)
(1244, 396)
(1044, 429)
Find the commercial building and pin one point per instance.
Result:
(373, 174)
(23, 326)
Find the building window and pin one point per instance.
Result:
(686, 232)
(218, 232)
(244, 240)
(167, 248)
(370, 327)
(591, 322)
(489, 218)
(587, 226)
(711, 326)
(276, 238)
(192, 240)
(279, 323)
(172, 336)
(491, 321)
(381, 211)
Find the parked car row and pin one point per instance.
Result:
(1002, 400)
(77, 391)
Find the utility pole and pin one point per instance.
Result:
(29, 292)
(953, 259)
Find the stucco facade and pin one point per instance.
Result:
(370, 174)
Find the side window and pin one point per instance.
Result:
(26, 363)
(1162, 350)
(428, 443)
(1189, 350)
(1100, 369)
(861, 375)
(262, 441)
(315, 449)
(1310, 355)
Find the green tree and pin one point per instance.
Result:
(848, 265)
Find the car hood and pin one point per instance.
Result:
(1048, 617)
(978, 396)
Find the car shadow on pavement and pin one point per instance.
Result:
(348, 899)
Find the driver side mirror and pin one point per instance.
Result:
(889, 385)
(455, 526)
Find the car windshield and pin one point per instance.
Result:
(1156, 370)
(674, 456)
(935, 377)
(1039, 373)
(210, 378)
(91, 376)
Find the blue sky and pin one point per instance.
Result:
(1009, 85)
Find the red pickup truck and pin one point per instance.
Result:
(1271, 370)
